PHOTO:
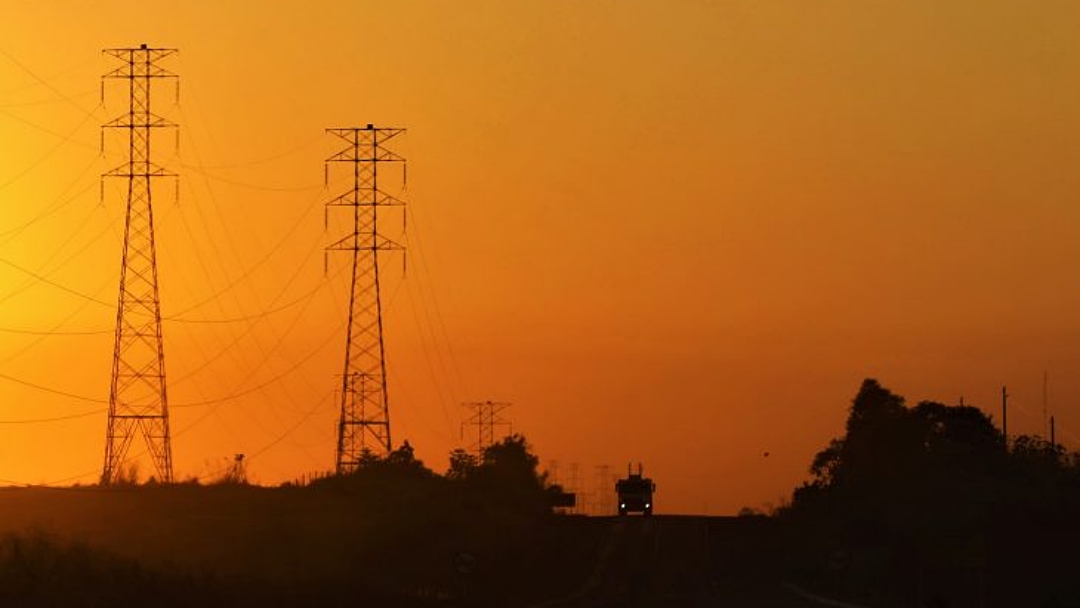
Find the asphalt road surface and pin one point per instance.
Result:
(677, 562)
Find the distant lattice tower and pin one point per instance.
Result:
(605, 500)
(364, 423)
(138, 404)
(486, 417)
(573, 484)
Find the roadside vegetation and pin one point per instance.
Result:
(931, 506)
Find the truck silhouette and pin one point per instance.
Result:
(635, 493)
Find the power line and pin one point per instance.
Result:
(53, 283)
(64, 139)
(34, 332)
(57, 204)
(55, 418)
(293, 227)
(263, 362)
(47, 84)
(202, 171)
(236, 394)
(49, 389)
(260, 161)
(42, 102)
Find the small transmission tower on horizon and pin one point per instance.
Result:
(138, 404)
(364, 423)
(486, 416)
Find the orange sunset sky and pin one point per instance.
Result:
(679, 232)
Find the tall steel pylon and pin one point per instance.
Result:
(137, 400)
(364, 423)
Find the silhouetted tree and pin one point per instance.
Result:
(462, 465)
(511, 462)
(826, 464)
(877, 459)
(890, 454)
(404, 461)
(929, 492)
(368, 459)
(960, 438)
(508, 473)
(1037, 455)
(400, 463)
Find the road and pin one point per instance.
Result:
(681, 562)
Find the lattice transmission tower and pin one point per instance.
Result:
(486, 416)
(137, 399)
(605, 502)
(364, 423)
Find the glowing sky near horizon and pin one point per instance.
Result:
(679, 233)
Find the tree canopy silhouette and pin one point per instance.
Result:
(936, 489)
(507, 472)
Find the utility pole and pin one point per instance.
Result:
(1005, 417)
(138, 404)
(1046, 399)
(364, 421)
(486, 416)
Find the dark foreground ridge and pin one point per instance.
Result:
(250, 546)
(923, 507)
(207, 549)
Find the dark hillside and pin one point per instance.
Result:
(393, 530)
